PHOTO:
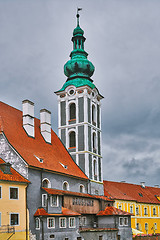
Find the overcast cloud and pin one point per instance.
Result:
(123, 42)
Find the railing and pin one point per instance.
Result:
(7, 229)
(97, 226)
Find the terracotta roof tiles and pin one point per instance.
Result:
(65, 212)
(109, 211)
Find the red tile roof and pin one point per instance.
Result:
(131, 192)
(52, 154)
(13, 177)
(65, 212)
(62, 192)
(109, 211)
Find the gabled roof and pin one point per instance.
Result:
(110, 211)
(14, 176)
(131, 192)
(62, 192)
(65, 212)
(54, 155)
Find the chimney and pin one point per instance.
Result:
(28, 117)
(45, 120)
(143, 184)
(156, 185)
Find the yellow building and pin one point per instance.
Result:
(142, 201)
(13, 211)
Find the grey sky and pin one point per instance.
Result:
(123, 42)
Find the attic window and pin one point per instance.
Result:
(39, 159)
(140, 194)
(65, 166)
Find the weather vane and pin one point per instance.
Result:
(78, 9)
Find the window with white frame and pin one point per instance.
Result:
(72, 139)
(54, 200)
(37, 223)
(137, 210)
(155, 226)
(121, 221)
(154, 211)
(120, 207)
(14, 219)
(125, 221)
(44, 200)
(13, 192)
(137, 226)
(72, 111)
(0, 192)
(46, 183)
(146, 226)
(145, 211)
(84, 221)
(51, 222)
(65, 186)
(72, 223)
(62, 222)
(81, 188)
(131, 209)
(94, 141)
(93, 115)
(95, 169)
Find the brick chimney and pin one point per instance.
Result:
(28, 117)
(45, 120)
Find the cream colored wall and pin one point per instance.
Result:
(8, 206)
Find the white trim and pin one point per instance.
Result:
(74, 222)
(60, 222)
(37, 218)
(17, 193)
(43, 204)
(18, 219)
(48, 222)
(124, 221)
(83, 188)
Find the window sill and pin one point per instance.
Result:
(72, 148)
(70, 120)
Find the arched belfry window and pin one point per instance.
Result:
(95, 169)
(94, 142)
(72, 139)
(72, 111)
(93, 115)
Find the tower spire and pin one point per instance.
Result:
(78, 9)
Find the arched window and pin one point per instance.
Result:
(81, 188)
(72, 111)
(95, 169)
(65, 186)
(46, 183)
(93, 115)
(37, 223)
(94, 142)
(72, 139)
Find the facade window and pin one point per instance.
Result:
(0, 192)
(100, 237)
(154, 211)
(72, 139)
(137, 226)
(125, 221)
(145, 211)
(66, 238)
(46, 183)
(93, 115)
(44, 200)
(79, 238)
(155, 226)
(137, 210)
(95, 169)
(81, 189)
(51, 222)
(52, 236)
(120, 207)
(62, 222)
(14, 219)
(65, 186)
(13, 193)
(94, 142)
(146, 226)
(72, 111)
(72, 223)
(82, 221)
(37, 222)
(121, 221)
(131, 209)
(54, 201)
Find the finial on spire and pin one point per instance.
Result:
(78, 9)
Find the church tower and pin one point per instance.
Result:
(79, 117)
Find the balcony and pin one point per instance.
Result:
(7, 229)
